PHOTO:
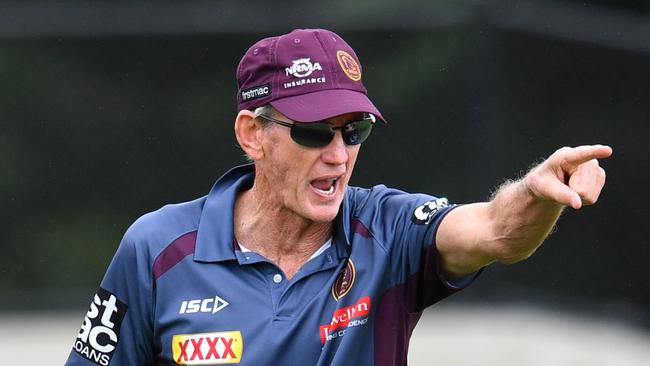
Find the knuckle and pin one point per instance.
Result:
(583, 193)
(561, 152)
(591, 200)
(595, 162)
(602, 172)
(586, 196)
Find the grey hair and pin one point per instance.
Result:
(266, 109)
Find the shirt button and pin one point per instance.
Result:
(277, 278)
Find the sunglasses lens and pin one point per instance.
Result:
(312, 134)
(321, 134)
(355, 133)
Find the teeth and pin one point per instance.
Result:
(330, 190)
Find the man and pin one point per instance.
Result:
(283, 263)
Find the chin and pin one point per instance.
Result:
(323, 214)
(319, 208)
(323, 217)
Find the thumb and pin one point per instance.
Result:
(553, 189)
(561, 193)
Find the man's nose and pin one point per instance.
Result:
(336, 151)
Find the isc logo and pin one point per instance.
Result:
(211, 305)
(208, 348)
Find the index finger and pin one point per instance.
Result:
(582, 154)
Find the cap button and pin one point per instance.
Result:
(296, 40)
(256, 51)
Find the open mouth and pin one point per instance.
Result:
(326, 187)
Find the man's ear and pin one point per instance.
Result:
(249, 134)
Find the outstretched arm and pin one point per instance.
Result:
(521, 214)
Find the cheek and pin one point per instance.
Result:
(287, 163)
(275, 161)
(352, 157)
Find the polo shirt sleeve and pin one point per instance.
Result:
(117, 329)
(405, 225)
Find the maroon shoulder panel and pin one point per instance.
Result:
(174, 253)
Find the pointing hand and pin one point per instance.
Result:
(570, 176)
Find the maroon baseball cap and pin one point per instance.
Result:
(308, 75)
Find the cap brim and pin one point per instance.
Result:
(325, 104)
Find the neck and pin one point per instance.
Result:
(276, 232)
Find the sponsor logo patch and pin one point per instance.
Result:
(211, 305)
(217, 348)
(349, 65)
(100, 330)
(302, 67)
(255, 92)
(345, 318)
(424, 214)
(344, 281)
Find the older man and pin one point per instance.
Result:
(283, 263)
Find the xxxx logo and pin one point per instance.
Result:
(208, 348)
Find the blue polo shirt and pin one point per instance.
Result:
(180, 290)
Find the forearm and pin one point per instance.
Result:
(521, 214)
(518, 221)
(507, 229)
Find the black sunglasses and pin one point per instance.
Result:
(319, 134)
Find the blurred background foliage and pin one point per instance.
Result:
(112, 109)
